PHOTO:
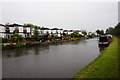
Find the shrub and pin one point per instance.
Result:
(4, 40)
(11, 45)
(36, 43)
(80, 35)
(93, 35)
(41, 37)
(53, 37)
(19, 45)
(75, 34)
(29, 43)
(16, 38)
(3, 45)
(27, 37)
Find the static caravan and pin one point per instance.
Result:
(2, 31)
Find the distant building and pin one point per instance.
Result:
(7, 31)
(26, 31)
(2, 31)
(68, 31)
(44, 31)
(56, 31)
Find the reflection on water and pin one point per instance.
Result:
(101, 48)
(59, 60)
(24, 51)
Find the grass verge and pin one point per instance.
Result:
(104, 66)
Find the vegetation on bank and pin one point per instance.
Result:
(114, 30)
(104, 66)
(36, 43)
(111, 30)
(119, 56)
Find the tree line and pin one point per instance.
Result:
(111, 30)
(114, 30)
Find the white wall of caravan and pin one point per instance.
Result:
(21, 34)
(80, 32)
(32, 31)
(58, 31)
(39, 31)
(66, 32)
(28, 29)
(59, 35)
(61, 31)
(2, 35)
(49, 31)
(70, 32)
(2, 29)
(53, 31)
(12, 29)
(20, 29)
(45, 31)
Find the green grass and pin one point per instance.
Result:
(119, 57)
(104, 66)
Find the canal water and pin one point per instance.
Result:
(49, 61)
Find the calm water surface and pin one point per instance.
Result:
(50, 61)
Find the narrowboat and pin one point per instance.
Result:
(103, 41)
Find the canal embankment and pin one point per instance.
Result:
(36, 43)
(104, 66)
(119, 56)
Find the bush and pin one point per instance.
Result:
(11, 45)
(27, 37)
(19, 45)
(16, 38)
(36, 43)
(4, 40)
(80, 35)
(75, 34)
(41, 37)
(3, 45)
(29, 43)
(53, 37)
(93, 35)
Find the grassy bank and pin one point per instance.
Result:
(104, 66)
(119, 58)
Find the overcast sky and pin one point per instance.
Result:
(67, 15)
(119, 12)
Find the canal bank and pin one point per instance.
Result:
(104, 66)
(36, 43)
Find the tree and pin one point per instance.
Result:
(31, 26)
(36, 33)
(75, 34)
(34, 29)
(53, 36)
(110, 30)
(84, 32)
(114, 31)
(102, 32)
(17, 38)
(117, 29)
(98, 32)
